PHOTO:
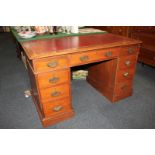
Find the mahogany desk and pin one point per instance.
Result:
(49, 64)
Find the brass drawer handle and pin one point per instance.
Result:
(126, 74)
(84, 58)
(52, 64)
(57, 108)
(55, 94)
(53, 79)
(127, 63)
(108, 54)
(130, 50)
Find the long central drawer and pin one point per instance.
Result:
(92, 56)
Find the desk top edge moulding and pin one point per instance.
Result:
(49, 63)
(58, 46)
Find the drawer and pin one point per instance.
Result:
(127, 62)
(147, 61)
(82, 58)
(124, 75)
(129, 50)
(123, 89)
(108, 53)
(55, 92)
(147, 54)
(49, 64)
(92, 56)
(57, 107)
(52, 78)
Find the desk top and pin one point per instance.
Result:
(59, 46)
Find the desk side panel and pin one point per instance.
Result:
(102, 77)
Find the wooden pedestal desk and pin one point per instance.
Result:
(49, 65)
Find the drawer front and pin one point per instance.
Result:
(146, 51)
(52, 78)
(151, 57)
(50, 64)
(92, 56)
(108, 53)
(57, 107)
(129, 50)
(55, 92)
(123, 89)
(82, 58)
(127, 62)
(124, 75)
(147, 61)
(147, 54)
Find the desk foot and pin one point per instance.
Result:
(57, 119)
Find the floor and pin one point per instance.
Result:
(93, 111)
